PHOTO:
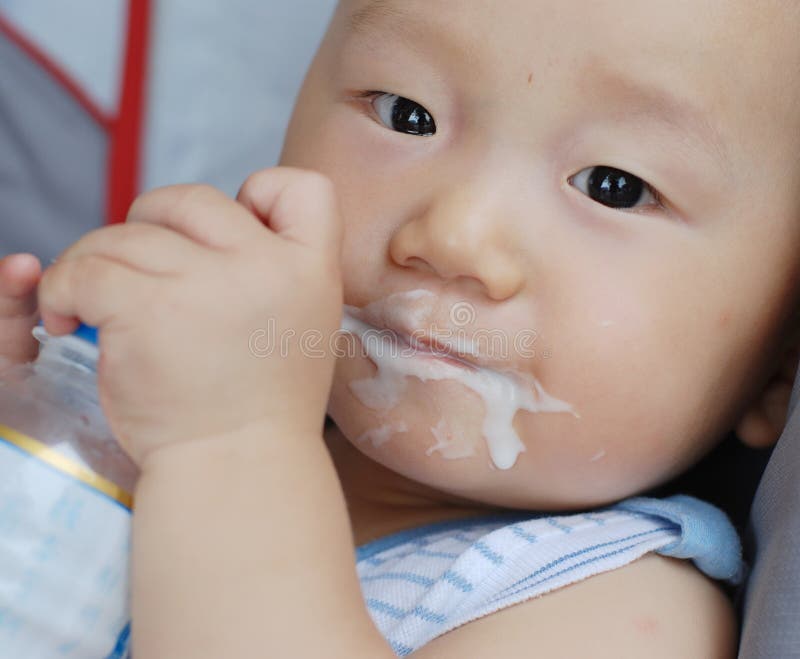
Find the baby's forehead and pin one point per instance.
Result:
(735, 59)
(696, 27)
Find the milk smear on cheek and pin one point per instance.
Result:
(382, 434)
(503, 393)
(451, 445)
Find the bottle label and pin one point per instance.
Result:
(64, 550)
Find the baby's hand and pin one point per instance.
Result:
(181, 289)
(19, 274)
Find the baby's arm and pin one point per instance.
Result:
(656, 607)
(243, 549)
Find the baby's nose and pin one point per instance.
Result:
(460, 236)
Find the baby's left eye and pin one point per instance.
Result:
(403, 115)
(615, 188)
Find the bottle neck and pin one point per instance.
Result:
(70, 364)
(67, 350)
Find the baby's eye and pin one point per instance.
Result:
(615, 188)
(403, 115)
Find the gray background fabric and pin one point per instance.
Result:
(85, 37)
(223, 78)
(772, 602)
(52, 161)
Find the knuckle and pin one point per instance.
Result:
(253, 181)
(90, 238)
(148, 203)
(136, 209)
(105, 239)
(308, 178)
(128, 233)
(173, 202)
(197, 193)
(86, 272)
(192, 204)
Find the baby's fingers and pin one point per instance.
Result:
(19, 275)
(93, 289)
(297, 204)
(198, 212)
(151, 249)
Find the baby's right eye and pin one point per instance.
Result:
(615, 188)
(403, 115)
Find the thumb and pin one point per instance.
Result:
(19, 275)
(298, 205)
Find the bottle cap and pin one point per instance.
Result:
(87, 333)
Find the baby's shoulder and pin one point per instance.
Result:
(654, 607)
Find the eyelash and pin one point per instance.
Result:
(364, 101)
(658, 201)
(369, 97)
(373, 95)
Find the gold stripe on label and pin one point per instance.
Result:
(65, 465)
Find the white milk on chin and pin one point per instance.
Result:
(503, 393)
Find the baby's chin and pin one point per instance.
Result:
(434, 430)
(433, 436)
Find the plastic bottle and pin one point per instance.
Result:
(65, 509)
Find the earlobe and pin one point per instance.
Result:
(763, 422)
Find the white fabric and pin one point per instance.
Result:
(434, 581)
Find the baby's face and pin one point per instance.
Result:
(609, 189)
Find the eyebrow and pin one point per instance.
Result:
(372, 13)
(646, 100)
(396, 20)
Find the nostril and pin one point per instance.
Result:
(417, 263)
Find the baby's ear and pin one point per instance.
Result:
(763, 422)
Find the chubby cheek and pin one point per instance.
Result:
(604, 456)
(628, 386)
(640, 388)
(617, 443)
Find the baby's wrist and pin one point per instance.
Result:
(253, 445)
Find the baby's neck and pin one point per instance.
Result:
(381, 502)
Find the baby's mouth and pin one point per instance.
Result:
(419, 343)
(431, 359)
(426, 346)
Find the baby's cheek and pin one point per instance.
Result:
(630, 427)
(575, 462)
(614, 447)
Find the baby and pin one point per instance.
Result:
(566, 236)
